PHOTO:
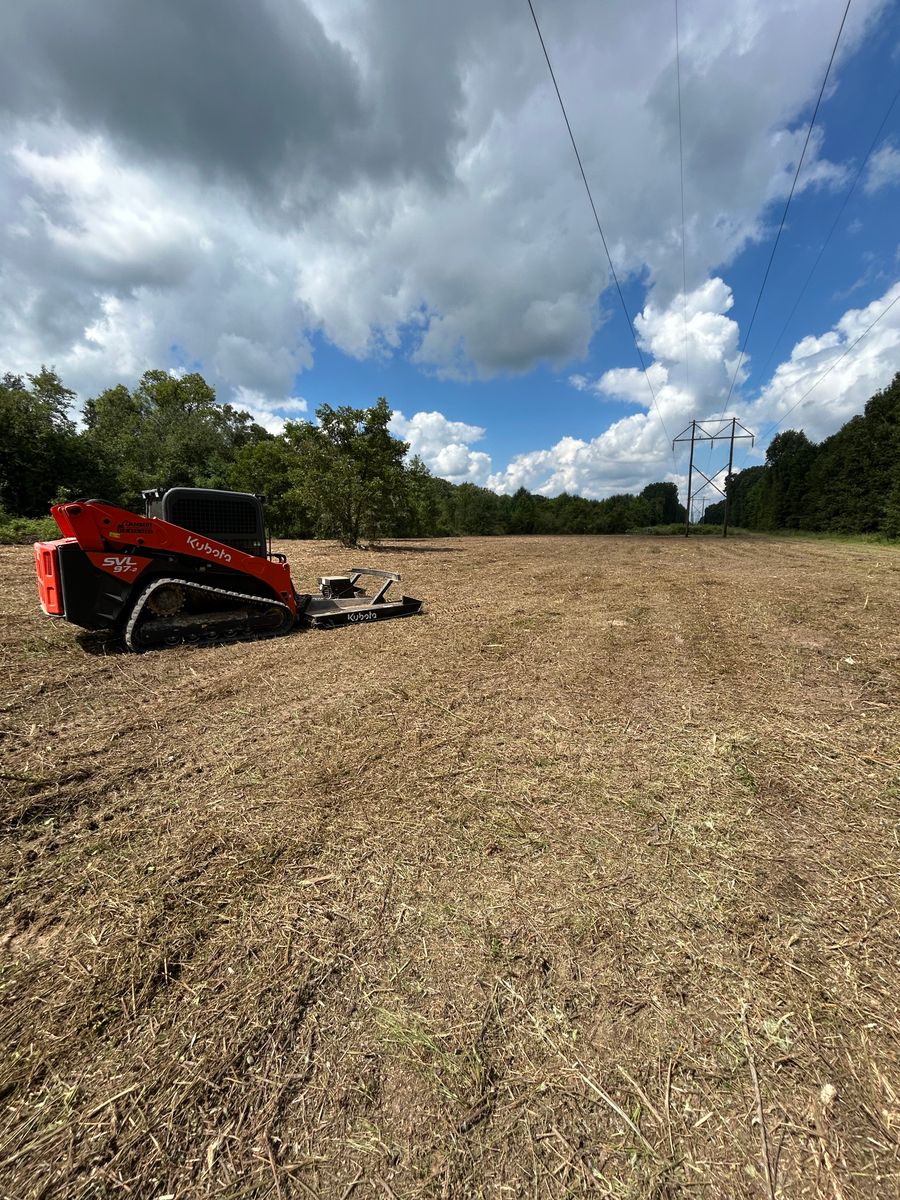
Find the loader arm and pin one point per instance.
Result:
(124, 544)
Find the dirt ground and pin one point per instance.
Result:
(584, 883)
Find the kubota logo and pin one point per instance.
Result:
(122, 564)
(206, 548)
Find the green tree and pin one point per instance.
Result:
(569, 514)
(522, 512)
(443, 492)
(621, 513)
(274, 469)
(169, 431)
(744, 497)
(31, 434)
(663, 503)
(476, 510)
(855, 475)
(42, 457)
(783, 496)
(426, 515)
(354, 481)
(891, 525)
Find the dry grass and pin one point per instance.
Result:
(586, 883)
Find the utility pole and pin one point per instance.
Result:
(687, 515)
(696, 432)
(729, 476)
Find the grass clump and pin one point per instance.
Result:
(20, 531)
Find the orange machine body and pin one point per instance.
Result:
(131, 550)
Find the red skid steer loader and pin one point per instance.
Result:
(197, 568)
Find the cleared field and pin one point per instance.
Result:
(584, 883)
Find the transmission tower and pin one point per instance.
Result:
(727, 431)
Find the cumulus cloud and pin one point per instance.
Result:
(845, 389)
(884, 169)
(636, 450)
(444, 446)
(260, 95)
(696, 331)
(199, 184)
(271, 412)
(111, 270)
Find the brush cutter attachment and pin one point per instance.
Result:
(343, 602)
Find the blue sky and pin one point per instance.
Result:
(341, 199)
(861, 258)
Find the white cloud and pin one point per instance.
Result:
(635, 450)
(844, 392)
(114, 270)
(393, 178)
(444, 446)
(270, 412)
(884, 169)
(407, 188)
(596, 469)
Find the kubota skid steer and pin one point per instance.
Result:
(196, 567)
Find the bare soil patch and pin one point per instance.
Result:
(584, 883)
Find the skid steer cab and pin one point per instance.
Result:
(197, 567)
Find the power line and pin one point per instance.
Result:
(590, 197)
(787, 206)
(834, 226)
(681, 168)
(772, 427)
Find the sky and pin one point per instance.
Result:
(325, 201)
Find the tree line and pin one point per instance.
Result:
(848, 483)
(345, 475)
